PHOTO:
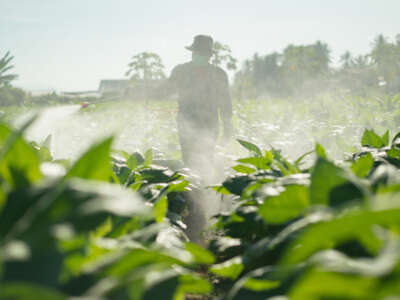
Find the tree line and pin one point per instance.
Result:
(307, 69)
(297, 70)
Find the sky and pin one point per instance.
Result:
(71, 45)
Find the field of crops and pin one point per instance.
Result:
(313, 188)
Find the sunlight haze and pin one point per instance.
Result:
(72, 45)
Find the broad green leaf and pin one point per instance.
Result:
(320, 150)
(324, 177)
(45, 154)
(287, 205)
(192, 284)
(251, 147)
(103, 229)
(19, 164)
(27, 291)
(179, 186)
(371, 139)
(237, 184)
(243, 169)
(260, 163)
(140, 257)
(200, 255)
(393, 153)
(94, 164)
(385, 138)
(326, 235)
(363, 165)
(160, 209)
(132, 161)
(221, 190)
(148, 157)
(316, 285)
(259, 285)
(269, 156)
(105, 197)
(229, 269)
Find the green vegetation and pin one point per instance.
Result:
(111, 225)
(307, 70)
(314, 184)
(5, 79)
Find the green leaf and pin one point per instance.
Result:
(393, 153)
(251, 147)
(160, 209)
(299, 160)
(237, 184)
(26, 291)
(228, 269)
(363, 165)
(316, 285)
(371, 139)
(328, 234)
(259, 285)
(320, 150)
(385, 138)
(221, 190)
(19, 164)
(132, 162)
(260, 163)
(181, 186)
(200, 255)
(243, 169)
(324, 177)
(94, 164)
(286, 206)
(191, 284)
(103, 229)
(140, 257)
(148, 157)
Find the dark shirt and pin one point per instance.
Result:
(203, 92)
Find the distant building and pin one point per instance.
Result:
(133, 89)
(82, 94)
(113, 86)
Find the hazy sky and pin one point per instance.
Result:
(72, 44)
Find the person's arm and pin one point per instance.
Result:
(225, 108)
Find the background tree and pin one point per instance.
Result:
(5, 79)
(145, 71)
(145, 66)
(222, 56)
(386, 58)
(346, 60)
(243, 83)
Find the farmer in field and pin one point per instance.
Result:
(203, 97)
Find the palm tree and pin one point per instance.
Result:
(322, 53)
(5, 66)
(361, 62)
(346, 59)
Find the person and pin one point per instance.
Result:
(203, 97)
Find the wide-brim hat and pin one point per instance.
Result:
(202, 44)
